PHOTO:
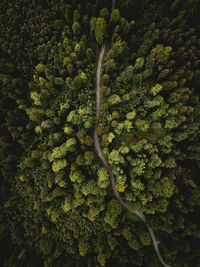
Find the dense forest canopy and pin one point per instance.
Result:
(57, 206)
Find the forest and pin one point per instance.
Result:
(57, 206)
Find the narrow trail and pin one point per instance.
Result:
(104, 161)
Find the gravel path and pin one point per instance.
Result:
(104, 161)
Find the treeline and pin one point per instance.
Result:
(57, 208)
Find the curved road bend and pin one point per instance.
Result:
(104, 161)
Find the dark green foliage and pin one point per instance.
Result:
(57, 208)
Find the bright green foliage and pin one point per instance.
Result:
(139, 63)
(100, 30)
(40, 68)
(131, 115)
(159, 190)
(57, 204)
(137, 184)
(142, 125)
(74, 118)
(59, 165)
(89, 187)
(89, 156)
(115, 157)
(36, 98)
(68, 130)
(124, 149)
(121, 188)
(103, 177)
(70, 143)
(114, 99)
(111, 136)
(58, 152)
(76, 176)
(115, 115)
(156, 89)
(67, 205)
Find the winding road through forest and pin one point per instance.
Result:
(98, 150)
